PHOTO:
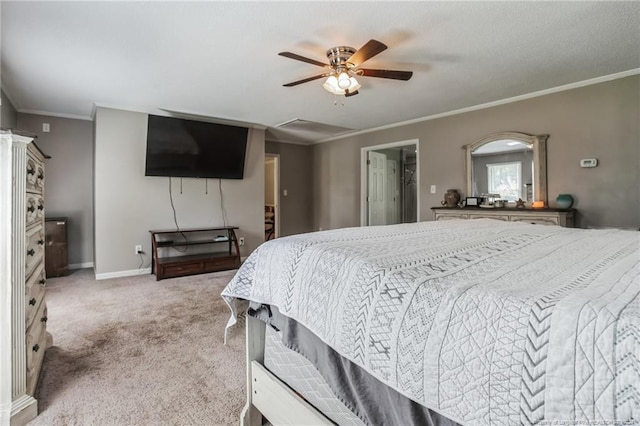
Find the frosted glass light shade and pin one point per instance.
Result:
(343, 81)
(354, 84)
(332, 85)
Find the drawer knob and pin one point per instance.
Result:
(40, 206)
(43, 281)
(31, 252)
(31, 171)
(31, 209)
(44, 319)
(32, 302)
(41, 176)
(41, 242)
(36, 347)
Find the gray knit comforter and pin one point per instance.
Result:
(483, 321)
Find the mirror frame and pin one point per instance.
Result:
(539, 144)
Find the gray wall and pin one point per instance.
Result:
(68, 185)
(7, 113)
(597, 121)
(296, 177)
(127, 204)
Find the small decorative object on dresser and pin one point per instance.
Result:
(564, 201)
(451, 198)
(472, 202)
(520, 203)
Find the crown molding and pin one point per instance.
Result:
(291, 142)
(55, 114)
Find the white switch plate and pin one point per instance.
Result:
(45, 127)
(589, 162)
(241, 241)
(285, 193)
(433, 189)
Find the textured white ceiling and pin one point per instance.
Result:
(219, 59)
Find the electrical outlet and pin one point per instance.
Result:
(589, 162)
(139, 250)
(433, 189)
(241, 241)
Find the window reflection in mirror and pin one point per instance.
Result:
(503, 167)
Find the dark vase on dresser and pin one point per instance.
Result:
(56, 258)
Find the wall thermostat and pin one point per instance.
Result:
(589, 162)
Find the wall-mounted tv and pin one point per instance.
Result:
(186, 148)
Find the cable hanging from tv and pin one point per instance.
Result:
(175, 217)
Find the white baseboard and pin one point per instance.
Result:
(81, 265)
(119, 274)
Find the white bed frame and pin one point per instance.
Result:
(269, 396)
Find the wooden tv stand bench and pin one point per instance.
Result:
(177, 253)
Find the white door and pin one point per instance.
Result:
(377, 168)
(393, 192)
(271, 196)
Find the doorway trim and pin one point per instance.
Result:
(276, 190)
(364, 151)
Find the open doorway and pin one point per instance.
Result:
(271, 196)
(389, 183)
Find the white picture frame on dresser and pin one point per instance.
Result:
(22, 306)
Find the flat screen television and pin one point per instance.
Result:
(187, 148)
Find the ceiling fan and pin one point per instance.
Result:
(344, 66)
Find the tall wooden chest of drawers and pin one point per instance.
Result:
(23, 315)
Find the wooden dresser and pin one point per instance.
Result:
(56, 256)
(543, 216)
(22, 274)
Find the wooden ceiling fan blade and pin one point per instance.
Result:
(315, 77)
(366, 52)
(303, 59)
(393, 74)
(347, 94)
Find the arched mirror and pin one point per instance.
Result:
(510, 164)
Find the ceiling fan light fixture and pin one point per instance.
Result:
(343, 81)
(354, 85)
(331, 86)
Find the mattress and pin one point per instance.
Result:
(300, 375)
(338, 379)
(482, 321)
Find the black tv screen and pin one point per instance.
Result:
(186, 148)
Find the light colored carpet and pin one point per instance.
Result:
(136, 351)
